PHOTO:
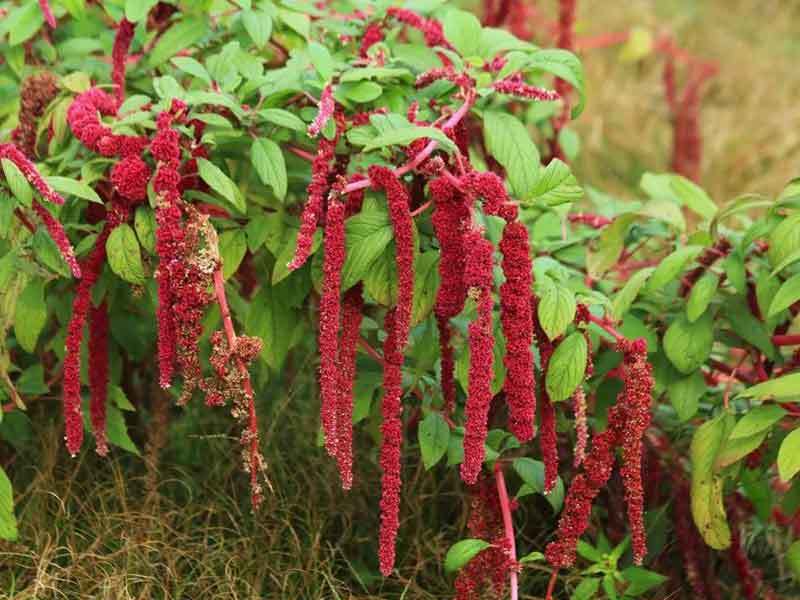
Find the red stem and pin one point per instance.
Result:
(551, 585)
(370, 350)
(786, 340)
(606, 326)
(425, 153)
(505, 508)
(304, 154)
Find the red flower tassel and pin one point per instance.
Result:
(327, 105)
(517, 321)
(329, 313)
(71, 386)
(478, 276)
(391, 444)
(351, 326)
(548, 441)
(119, 55)
(59, 236)
(373, 34)
(514, 85)
(581, 427)
(30, 172)
(98, 373)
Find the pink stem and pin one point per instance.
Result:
(606, 326)
(426, 151)
(505, 508)
(786, 340)
(304, 154)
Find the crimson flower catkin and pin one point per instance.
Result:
(391, 444)
(548, 439)
(329, 314)
(479, 278)
(514, 85)
(431, 28)
(71, 386)
(327, 105)
(636, 397)
(351, 325)
(581, 426)
(58, 235)
(119, 56)
(373, 34)
(517, 321)
(98, 374)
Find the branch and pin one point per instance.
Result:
(786, 340)
(505, 508)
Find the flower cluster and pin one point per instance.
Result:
(324, 111)
(430, 28)
(514, 85)
(479, 279)
(462, 80)
(83, 118)
(119, 56)
(71, 386)
(98, 373)
(36, 93)
(130, 177)
(581, 426)
(373, 34)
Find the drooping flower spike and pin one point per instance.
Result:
(119, 56)
(98, 374)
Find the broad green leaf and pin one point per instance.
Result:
(701, 295)
(23, 23)
(666, 211)
(789, 456)
(609, 245)
(296, 21)
(671, 266)
(567, 367)
(365, 91)
(625, 297)
(221, 183)
(784, 240)
(758, 419)
(30, 315)
(462, 552)
(532, 474)
(117, 430)
(8, 522)
(258, 25)
(189, 65)
(509, 142)
(463, 30)
(48, 253)
(232, 248)
(183, 34)
(556, 185)
(787, 294)
(793, 559)
(747, 326)
(735, 271)
(586, 590)
(735, 449)
(145, 225)
(565, 65)
(321, 59)
(685, 393)
(406, 135)
(688, 345)
(367, 236)
(641, 580)
(136, 10)
(283, 118)
(693, 196)
(270, 165)
(434, 438)
(556, 310)
(124, 258)
(73, 187)
(17, 183)
(706, 488)
(782, 389)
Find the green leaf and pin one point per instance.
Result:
(693, 196)
(625, 297)
(706, 488)
(8, 522)
(145, 225)
(748, 327)
(556, 310)
(735, 271)
(784, 240)
(462, 552)
(426, 282)
(30, 315)
(758, 419)
(221, 183)
(367, 236)
(586, 590)
(641, 580)
(182, 35)
(16, 181)
(781, 389)
(136, 10)
(189, 65)
(685, 393)
(793, 558)
(532, 474)
(789, 456)
(124, 258)
(270, 165)
(556, 185)
(296, 21)
(509, 142)
(688, 345)
(735, 449)
(434, 438)
(258, 25)
(283, 118)
(232, 248)
(609, 245)
(787, 294)
(23, 23)
(406, 135)
(671, 266)
(73, 187)
(532, 557)
(321, 59)
(117, 430)
(463, 30)
(567, 367)
(365, 91)
(568, 67)
(701, 295)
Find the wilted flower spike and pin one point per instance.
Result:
(324, 112)
(119, 56)
(581, 427)
(391, 445)
(517, 322)
(478, 277)
(98, 374)
(329, 315)
(36, 93)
